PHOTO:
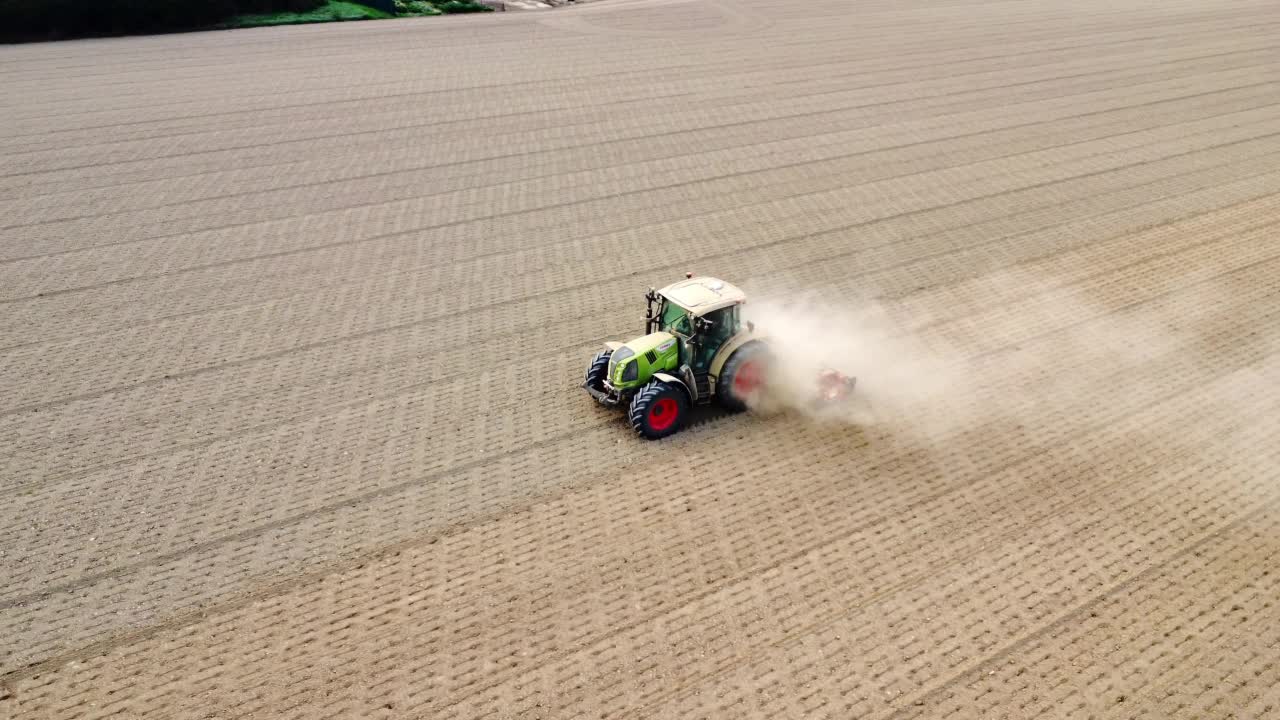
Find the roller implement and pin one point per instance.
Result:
(696, 350)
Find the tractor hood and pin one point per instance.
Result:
(633, 363)
(658, 342)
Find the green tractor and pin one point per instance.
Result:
(695, 350)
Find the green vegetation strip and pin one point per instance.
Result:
(35, 20)
(331, 11)
(337, 10)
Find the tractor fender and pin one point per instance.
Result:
(742, 337)
(613, 345)
(669, 378)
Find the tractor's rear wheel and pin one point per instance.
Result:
(598, 370)
(659, 409)
(742, 378)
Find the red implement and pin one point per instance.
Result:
(834, 386)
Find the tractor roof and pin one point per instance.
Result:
(701, 295)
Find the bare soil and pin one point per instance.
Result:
(292, 322)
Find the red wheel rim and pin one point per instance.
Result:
(663, 412)
(748, 379)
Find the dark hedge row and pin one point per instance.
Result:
(52, 19)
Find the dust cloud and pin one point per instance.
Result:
(895, 373)
(1006, 347)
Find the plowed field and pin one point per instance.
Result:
(292, 323)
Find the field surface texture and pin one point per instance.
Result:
(293, 321)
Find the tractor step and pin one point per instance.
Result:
(703, 386)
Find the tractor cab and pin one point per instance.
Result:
(703, 314)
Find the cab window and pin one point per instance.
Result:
(674, 318)
(724, 323)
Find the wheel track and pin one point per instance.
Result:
(415, 206)
(38, 426)
(1115, 483)
(396, 266)
(929, 46)
(729, 85)
(658, 105)
(587, 576)
(181, 343)
(411, 483)
(1082, 228)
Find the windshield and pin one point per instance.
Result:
(674, 318)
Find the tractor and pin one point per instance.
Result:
(696, 350)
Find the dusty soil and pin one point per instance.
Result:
(293, 321)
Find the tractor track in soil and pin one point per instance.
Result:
(292, 322)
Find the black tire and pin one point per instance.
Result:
(734, 390)
(659, 409)
(599, 370)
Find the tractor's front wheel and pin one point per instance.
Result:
(658, 410)
(598, 371)
(741, 380)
